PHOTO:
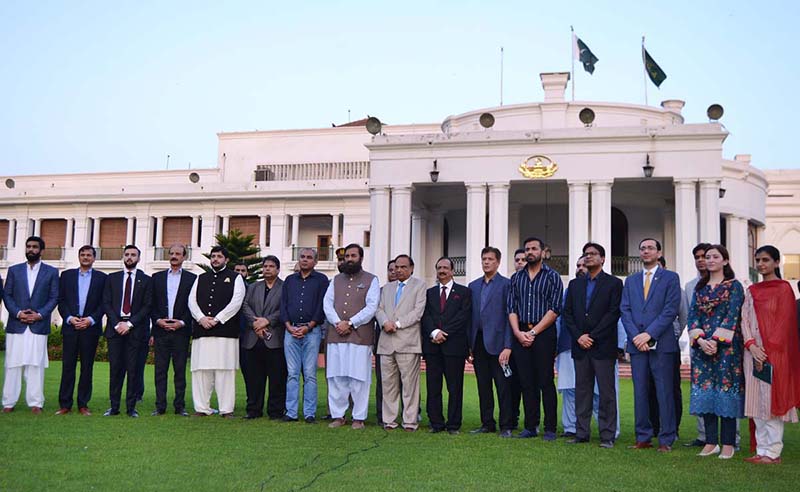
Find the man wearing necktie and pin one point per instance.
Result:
(399, 314)
(445, 325)
(650, 302)
(126, 301)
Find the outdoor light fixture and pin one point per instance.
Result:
(647, 168)
(722, 192)
(435, 172)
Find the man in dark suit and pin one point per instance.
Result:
(591, 312)
(172, 328)
(445, 326)
(263, 341)
(30, 295)
(80, 304)
(490, 343)
(127, 299)
(650, 302)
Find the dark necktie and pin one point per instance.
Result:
(266, 292)
(443, 298)
(126, 297)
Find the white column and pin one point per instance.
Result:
(419, 243)
(435, 244)
(476, 228)
(379, 231)
(578, 219)
(226, 223)
(68, 233)
(513, 235)
(670, 247)
(737, 246)
(129, 231)
(207, 233)
(335, 230)
(277, 235)
(159, 232)
(37, 227)
(601, 218)
(709, 211)
(96, 231)
(12, 226)
(295, 230)
(262, 231)
(401, 220)
(195, 226)
(498, 222)
(685, 228)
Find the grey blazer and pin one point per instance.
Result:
(255, 306)
(406, 340)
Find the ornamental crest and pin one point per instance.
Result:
(538, 167)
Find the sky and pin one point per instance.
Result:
(115, 86)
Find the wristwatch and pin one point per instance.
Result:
(350, 324)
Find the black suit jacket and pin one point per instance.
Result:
(454, 321)
(140, 304)
(160, 308)
(599, 321)
(69, 303)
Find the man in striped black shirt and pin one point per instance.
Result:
(534, 303)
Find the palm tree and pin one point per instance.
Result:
(240, 248)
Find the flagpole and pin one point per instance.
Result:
(572, 49)
(501, 76)
(644, 73)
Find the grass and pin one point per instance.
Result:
(73, 452)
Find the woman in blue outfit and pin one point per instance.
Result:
(715, 333)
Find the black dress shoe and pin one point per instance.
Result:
(436, 430)
(482, 430)
(310, 420)
(697, 443)
(110, 412)
(157, 413)
(575, 440)
(506, 433)
(286, 418)
(133, 414)
(182, 413)
(454, 432)
(251, 416)
(568, 435)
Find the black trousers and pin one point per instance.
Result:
(676, 391)
(81, 343)
(174, 347)
(438, 366)
(378, 389)
(265, 363)
(123, 357)
(535, 365)
(488, 371)
(586, 370)
(141, 360)
(516, 391)
(713, 423)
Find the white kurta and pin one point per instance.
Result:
(566, 370)
(215, 353)
(26, 349)
(349, 360)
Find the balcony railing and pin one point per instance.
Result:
(162, 254)
(625, 265)
(110, 253)
(323, 254)
(312, 171)
(53, 254)
(3, 253)
(459, 265)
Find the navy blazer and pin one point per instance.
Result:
(454, 321)
(656, 315)
(18, 298)
(491, 315)
(69, 304)
(160, 309)
(140, 304)
(599, 321)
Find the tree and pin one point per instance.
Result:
(240, 247)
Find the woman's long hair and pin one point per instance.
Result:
(727, 271)
(773, 253)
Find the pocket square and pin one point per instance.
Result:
(227, 280)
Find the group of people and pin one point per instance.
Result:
(514, 331)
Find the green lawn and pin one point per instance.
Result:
(173, 453)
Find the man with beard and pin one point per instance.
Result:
(80, 304)
(445, 326)
(126, 300)
(215, 300)
(263, 342)
(566, 367)
(350, 304)
(30, 295)
(172, 328)
(534, 303)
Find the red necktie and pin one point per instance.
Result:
(126, 297)
(443, 298)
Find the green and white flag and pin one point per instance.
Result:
(653, 70)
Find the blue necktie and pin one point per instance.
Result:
(400, 286)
